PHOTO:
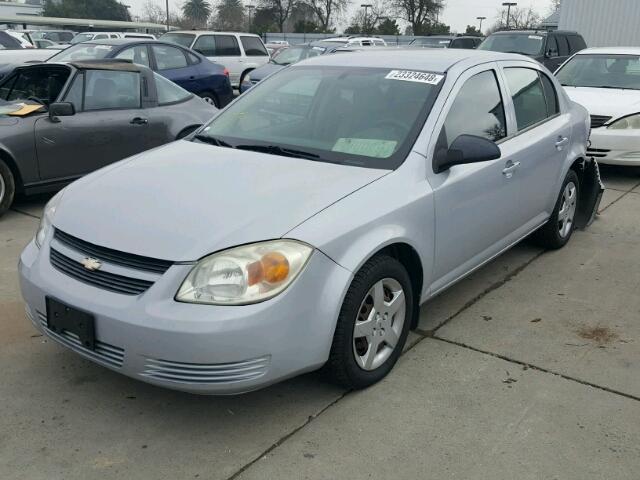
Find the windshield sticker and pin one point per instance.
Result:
(102, 47)
(25, 110)
(443, 41)
(7, 109)
(411, 76)
(535, 37)
(369, 147)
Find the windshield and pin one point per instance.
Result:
(81, 37)
(183, 39)
(604, 71)
(514, 43)
(368, 117)
(83, 51)
(432, 42)
(295, 54)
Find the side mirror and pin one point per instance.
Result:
(466, 149)
(61, 109)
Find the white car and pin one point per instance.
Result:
(238, 52)
(87, 36)
(21, 37)
(357, 41)
(607, 82)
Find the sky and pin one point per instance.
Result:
(457, 13)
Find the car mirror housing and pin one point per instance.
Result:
(61, 109)
(466, 149)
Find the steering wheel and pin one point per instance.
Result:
(36, 99)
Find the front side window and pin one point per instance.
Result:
(138, 55)
(206, 45)
(107, 89)
(601, 71)
(514, 43)
(368, 117)
(83, 51)
(253, 47)
(227, 46)
(168, 58)
(477, 110)
(563, 45)
(75, 92)
(169, 92)
(528, 96)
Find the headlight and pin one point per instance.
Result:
(47, 218)
(247, 274)
(632, 122)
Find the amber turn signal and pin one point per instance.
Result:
(273, 267)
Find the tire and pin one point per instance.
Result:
(358, 360)
(210, 98)
(243, 76)
(7, 187)
(558, 230)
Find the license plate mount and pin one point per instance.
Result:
(61, 318)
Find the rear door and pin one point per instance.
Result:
(171, 62)
(223, 49)
(109, 125)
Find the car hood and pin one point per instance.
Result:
(614, 103)
(264, 71)
(185, 200)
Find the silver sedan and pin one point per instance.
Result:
(305, 224)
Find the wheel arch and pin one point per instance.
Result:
(187, 131)
(589, 190)
(13, 166)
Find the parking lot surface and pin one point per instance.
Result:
(526, 369)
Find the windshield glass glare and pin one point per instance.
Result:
(612, 71)
(359, 116)
(295, 54)
(514, 43)
(83, 51)
(183, 39)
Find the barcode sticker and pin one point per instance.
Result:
(411, 76)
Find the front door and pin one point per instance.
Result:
(474, 203)
(109, 125)
(225, 50)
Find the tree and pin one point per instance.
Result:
(554, 6)
(281, 8)
(420, 14)
(230, 15)
(519, 19)
(473, 31)
(326, 11)
(264, 20)
(152, 12)
(367, 25)
(97, 9)
(197, 11)
(306, 26)
(388, 27)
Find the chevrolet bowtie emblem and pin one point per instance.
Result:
(92, 264)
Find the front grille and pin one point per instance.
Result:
(105, 280)
(599, 120)
(206, 373)
(113, 256)
(598, 152)
(104, 352)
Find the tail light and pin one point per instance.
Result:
(226, 72)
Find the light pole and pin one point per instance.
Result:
(481, 19)
(251, 8)
(365, 6)
(167, 6)
(509, 5)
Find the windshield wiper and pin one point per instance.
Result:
(614, 88)
(212, 141)
(278, 150)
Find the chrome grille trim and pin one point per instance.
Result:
(105, 280)
(104, 352)
(109, 255)
(206, 373)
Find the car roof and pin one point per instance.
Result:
(534, 32)
(210, 32)
(117, 65)
(432, 60)
(610, 51)
(118, 41)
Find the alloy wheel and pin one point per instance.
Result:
(378, 327)
(567, 209)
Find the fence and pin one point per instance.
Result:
(298, 38)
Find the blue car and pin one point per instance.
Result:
(191, 70)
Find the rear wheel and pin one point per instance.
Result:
(7, 187)
(242, 77)
(210, 98)
(373, 324)
(558, 230)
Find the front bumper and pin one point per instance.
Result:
(615, 147)
(195, 348)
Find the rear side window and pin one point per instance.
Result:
(168, 58)
(106, 89)
(138, 54)
(552, 47)
(206, 45)
(563, 46)
(253, 47)
(528, 96)
(477, 110)
(169, 92)
(227, 46)
(576, 43)
(550, 95)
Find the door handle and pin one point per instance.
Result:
(510, 168)
(192, 77)
(561, 142)
(139, 121)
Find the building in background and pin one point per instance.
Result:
(603, 23)
(21, 7)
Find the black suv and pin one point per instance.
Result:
(551, 48)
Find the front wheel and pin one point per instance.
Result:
(373, 324)
(558, 230)
(7, 187)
